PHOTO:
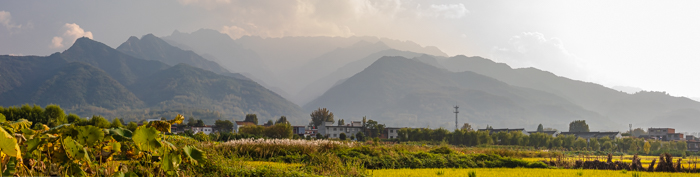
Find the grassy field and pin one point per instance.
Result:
(521, 172)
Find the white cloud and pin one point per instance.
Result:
(56, 42)
(448, 11)
(6, 20)
(72, 33)
(533, 49)
(268, 18)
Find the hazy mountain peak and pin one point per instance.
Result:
(627, 89)
(151, 47)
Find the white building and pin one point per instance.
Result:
(327, 129)
(206, 129)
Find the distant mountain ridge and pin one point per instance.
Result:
(623, 108)
(405, 92)
(151, 47)
(92, 78)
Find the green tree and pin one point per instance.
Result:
(373, 127)
(319, 136)
(655, 145)
(253, 130)
(321, 115)
(360, 136)
(594, 144)
(607, 146)
(342, 136)
(200, 123)
(580, 143)
(578, 126)
(191, 122)
(99, 121)
(72, 118)
(223, 125)
(540, 128)
(116, 123)
(132, 126)
(341, 122)
(467, 127)
(269, 123)
(282, 119)
(279, 131)
(251, 118)
(55, 115)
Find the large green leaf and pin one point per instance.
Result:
(28, 133)
(89, 135)
(147, 138)
(32, 144)
(62, 129)
(8, 144)
(74, 150)
(195, 155)
(2, 118)
(120, 134)
(170, 161)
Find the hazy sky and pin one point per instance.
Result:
(653, 45)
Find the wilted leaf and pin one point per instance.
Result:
(122, 174)
(178, 119)
(20, 124)
(74, 150)
(160, 125)
(195, 155)
(147, 138)
(89, 135)
(8, 144)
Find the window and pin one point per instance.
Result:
(334, 135)
(390, 137)
(392, 131)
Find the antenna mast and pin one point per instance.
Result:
(456, 112)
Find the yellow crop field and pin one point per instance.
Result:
(520, 172)
(646, 161)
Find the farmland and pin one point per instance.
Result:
(522, 172)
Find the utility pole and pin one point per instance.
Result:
(456, 112)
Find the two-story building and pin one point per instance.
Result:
(664, 134)
(327, 129)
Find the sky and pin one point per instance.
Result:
(652, 45)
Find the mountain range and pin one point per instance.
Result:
(206, 74)
(92, 78)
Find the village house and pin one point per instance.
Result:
(589, 135)
(507, 130)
